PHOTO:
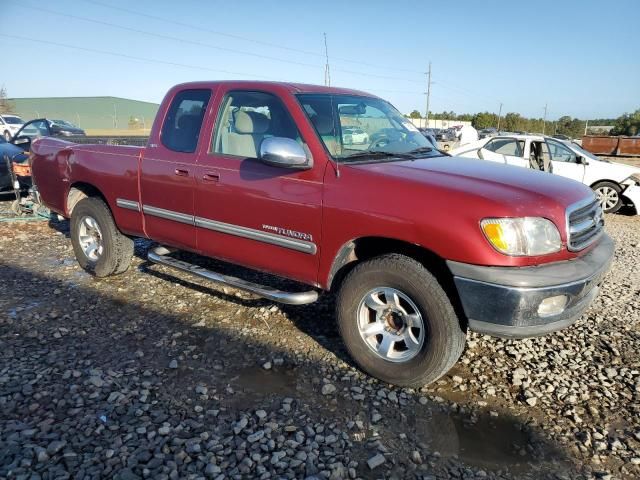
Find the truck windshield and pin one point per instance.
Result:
(361, 128)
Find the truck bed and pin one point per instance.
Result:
(64, 165)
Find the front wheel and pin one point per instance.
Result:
(610, 196)
(397, 322)
(100, 248)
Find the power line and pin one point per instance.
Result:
(206, 45)
(452, 86)
(163, 62)
(165, 37)
(241, 37)
(133, 57)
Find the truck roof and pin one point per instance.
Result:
(290, 86)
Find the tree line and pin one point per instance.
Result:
(627, 124)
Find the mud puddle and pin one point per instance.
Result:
(486, 441)
(255, 384)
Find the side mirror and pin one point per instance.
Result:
(284, 152)
(22, 141)
(581, 160)
(480, 156)
(55, 129)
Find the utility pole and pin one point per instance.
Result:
(115, 116)
(327, 73)
(544, 120)
(499, 115)
(426, 116)
(586, 126)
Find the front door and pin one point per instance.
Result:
(167, 178)
(251, 213)
(565, 161)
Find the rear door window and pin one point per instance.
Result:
(181, 128)
(505, 146)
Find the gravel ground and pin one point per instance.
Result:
(146, 375)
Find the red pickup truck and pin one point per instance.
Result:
(419, 246)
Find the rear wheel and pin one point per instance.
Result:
(610, 196)
(397, 322)
(100, 248)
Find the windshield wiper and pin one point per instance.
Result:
(375, 154)
(419, 150)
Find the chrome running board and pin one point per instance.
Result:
(159, 255)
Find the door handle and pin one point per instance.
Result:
(182, 172)
(211, 177)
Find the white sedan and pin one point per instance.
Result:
(354, 136)
(9, 126)
(614, 183)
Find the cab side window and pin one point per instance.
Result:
(246, 119)
(181, 128)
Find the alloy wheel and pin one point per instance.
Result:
(608, 197)
(391, 324)
(90, 238)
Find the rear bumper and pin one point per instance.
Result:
(505, 301)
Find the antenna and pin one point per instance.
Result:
(327, 73)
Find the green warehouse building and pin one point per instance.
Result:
(90, 113)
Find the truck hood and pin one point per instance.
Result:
(496, 183)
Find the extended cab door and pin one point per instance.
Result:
(168, 169)
(504, 150)
(565, 161)
(251, 213)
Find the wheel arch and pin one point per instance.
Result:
(361, 249)
(603, 180)
(79, 191)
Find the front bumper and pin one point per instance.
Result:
(633, 194)
(504, 301)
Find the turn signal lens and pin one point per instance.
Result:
(527, 236)
(496, 236)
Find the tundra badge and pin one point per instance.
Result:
(289, 233)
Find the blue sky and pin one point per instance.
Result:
(580, 57)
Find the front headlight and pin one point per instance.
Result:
(527, 236)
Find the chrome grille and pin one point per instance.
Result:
(585, 224)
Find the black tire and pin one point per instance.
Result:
(602, 187)
(444, 338)
(117, 247)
